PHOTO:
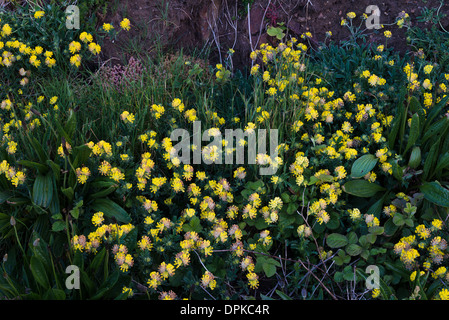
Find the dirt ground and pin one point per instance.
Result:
(217, 25)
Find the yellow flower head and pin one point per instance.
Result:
(39, 14)
(125, 24)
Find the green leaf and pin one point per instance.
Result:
(435, 193)
(397, 171)
(269, 269)
(362, 188)
(363, 165)
(398, 219)
(62, 132)
(111, 210)
(336, 240)
(54, 294)
(416, 107)
(292, 207)
(435, 129)
(390, 227)
(443, 162)
(414, 132)
(97, 263)
(353, 249)
(430, 160)
(81, 154)
(325, 178)
(5, 195)
(435, 110)
(283, 295)
(378, 230)
(56, 168)
(42, 169)
(395, 129)
(193, 225)
(39, 273)
(69, 193)
(376, 208)
(415, 158)
(352, 237)
(76, 210)
(43, 190)
(71, 124)
(58, 226)
(39, 150)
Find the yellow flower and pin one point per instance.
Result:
(82, 174)
(39, 14)
(74, 47)
(428, 69)
(125, 24)
(444, 294)
(94, 48)
(12, 147)
(127, 117)
(351, 15)
(75, 60)
(107, 27)
(98, 218)
(6, 29)
(86, 37)
(387, 34)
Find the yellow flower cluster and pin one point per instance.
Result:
(427, 241)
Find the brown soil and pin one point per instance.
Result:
(218, 25)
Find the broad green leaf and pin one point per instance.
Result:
(71, 124)
(435, 129)
(353, 249)
(54, 294)
(58, 226)
(363, 165)
(415, 158)
(430, 160)
(435, 193)
(81, 154)
(283, 295)
(43, 190)
(395, 129)
(362, 188)
(390, 227)
(193, 225)
(104, 192)
(42, 169)
(269, 269)
(435, 110)
(376, 208)
(414, 132)
(39, 150)
(398, 219)
(111, 210)
(97, 262)
(443, 162)
(378, 230)
(39, 273)
(336, 240)
(5, 195)
(292, 207)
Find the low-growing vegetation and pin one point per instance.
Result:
(91, 178)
